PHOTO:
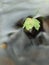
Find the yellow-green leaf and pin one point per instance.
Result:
(30, 23)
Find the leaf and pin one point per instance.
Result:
(30, 23)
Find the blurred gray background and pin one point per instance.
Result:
(10, 12)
